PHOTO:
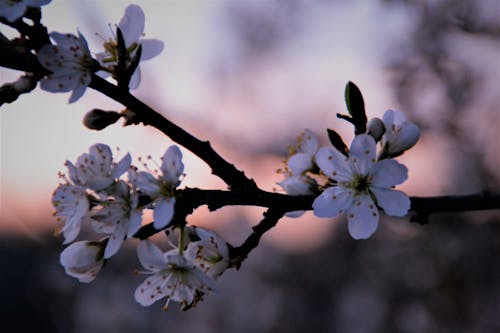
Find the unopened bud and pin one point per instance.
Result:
(376, 128)
(24, 84)
(99, 119)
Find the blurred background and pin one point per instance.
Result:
(249, 76)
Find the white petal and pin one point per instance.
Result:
(13, 12)
(147, 183)
(134, 222)
(406, 138)
(150, 48)
(362, 153)
(78, 92)
(122, 166)
(115, 240)
(150, 256)
(394, 202)
(135, 79)
(308, 142)
(59, 84)
(132, 24)
(388, 173)
(151, 290)
(333, 164)
(300, 163)
(163, 212)
(80, 261)
(72, 227)
(332, 202)
(362, 218)
(295, 214)
(298, 185)
(172, 166)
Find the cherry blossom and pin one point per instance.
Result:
(70, 62)
(400, 134)
(83, 260)
(132, 28)
(172, 276)
(210, 253)
(72, 207)
(161, 186)
(96, 169)
(118, 215)
(11, 10)
(359, 184)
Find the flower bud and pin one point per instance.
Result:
(83, 260)
(376, 128)
(99, 119)
(401, 134)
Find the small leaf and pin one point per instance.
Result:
(337, 142)
(121, 66)
(356, 107)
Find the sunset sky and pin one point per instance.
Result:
(250, 106)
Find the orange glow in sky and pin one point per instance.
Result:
(248, 116)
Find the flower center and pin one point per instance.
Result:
(360, 183)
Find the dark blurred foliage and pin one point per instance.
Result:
(442, 277)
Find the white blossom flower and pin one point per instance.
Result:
(361, 183)
(172, 276)
(72, 207)
(160, 187)
(96, 170)
(119, 217)
(210, 253)
(70, 62)
(302, 155)
(83, 260)
(400, 134)
(11, 10)
(132, 28)
(300, 161)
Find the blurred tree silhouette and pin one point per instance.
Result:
(443, 277)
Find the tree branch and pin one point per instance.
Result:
(233, 177)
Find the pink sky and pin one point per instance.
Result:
(299, 86)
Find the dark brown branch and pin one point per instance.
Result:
(240, 253)
(144, 114)
(191, 198)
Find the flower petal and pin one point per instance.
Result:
(135, 79)
(132, 24)
(121, 166)
(362, 218)
(150, 290)
(115, 240)
(134, 222)
(172, 166)
(150, 256)
(394, 202)
(388, 173)
(150, 48)
(163, 212)
(362, 153)
(333, 164)
(300, 163)
(78, 91)
(332, 202)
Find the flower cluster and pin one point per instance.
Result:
(71, 64)
(96, 194)
(360, 182)
(180, 275)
